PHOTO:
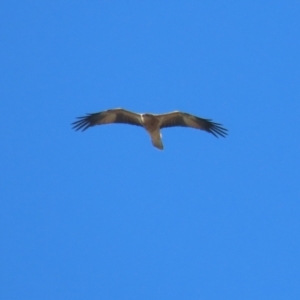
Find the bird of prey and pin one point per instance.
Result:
(151, 122)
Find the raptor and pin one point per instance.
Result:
(153, 123)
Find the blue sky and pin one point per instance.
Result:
(103, 214)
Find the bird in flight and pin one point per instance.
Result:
(151, 122)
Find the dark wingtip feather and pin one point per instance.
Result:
(83, 123)
(217, 129)
(214, 128)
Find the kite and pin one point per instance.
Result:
(153, 123)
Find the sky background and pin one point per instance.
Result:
(105, 215)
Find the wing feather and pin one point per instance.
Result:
(178, 118)
(110, 116)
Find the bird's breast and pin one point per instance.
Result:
(151, 123)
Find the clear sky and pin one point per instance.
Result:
(103, 214)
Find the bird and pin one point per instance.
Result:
(152, 123)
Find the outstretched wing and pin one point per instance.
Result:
(117, 115)
(178, 118)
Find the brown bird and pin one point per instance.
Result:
(151, 122)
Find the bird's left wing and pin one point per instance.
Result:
(117, 115)
(178, 118)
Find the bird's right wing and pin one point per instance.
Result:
(117, 115)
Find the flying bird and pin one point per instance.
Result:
(151, 122)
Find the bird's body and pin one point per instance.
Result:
(151, 122)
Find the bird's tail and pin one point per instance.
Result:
(156, 140)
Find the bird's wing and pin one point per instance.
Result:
(117, 115)
(178, 118)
